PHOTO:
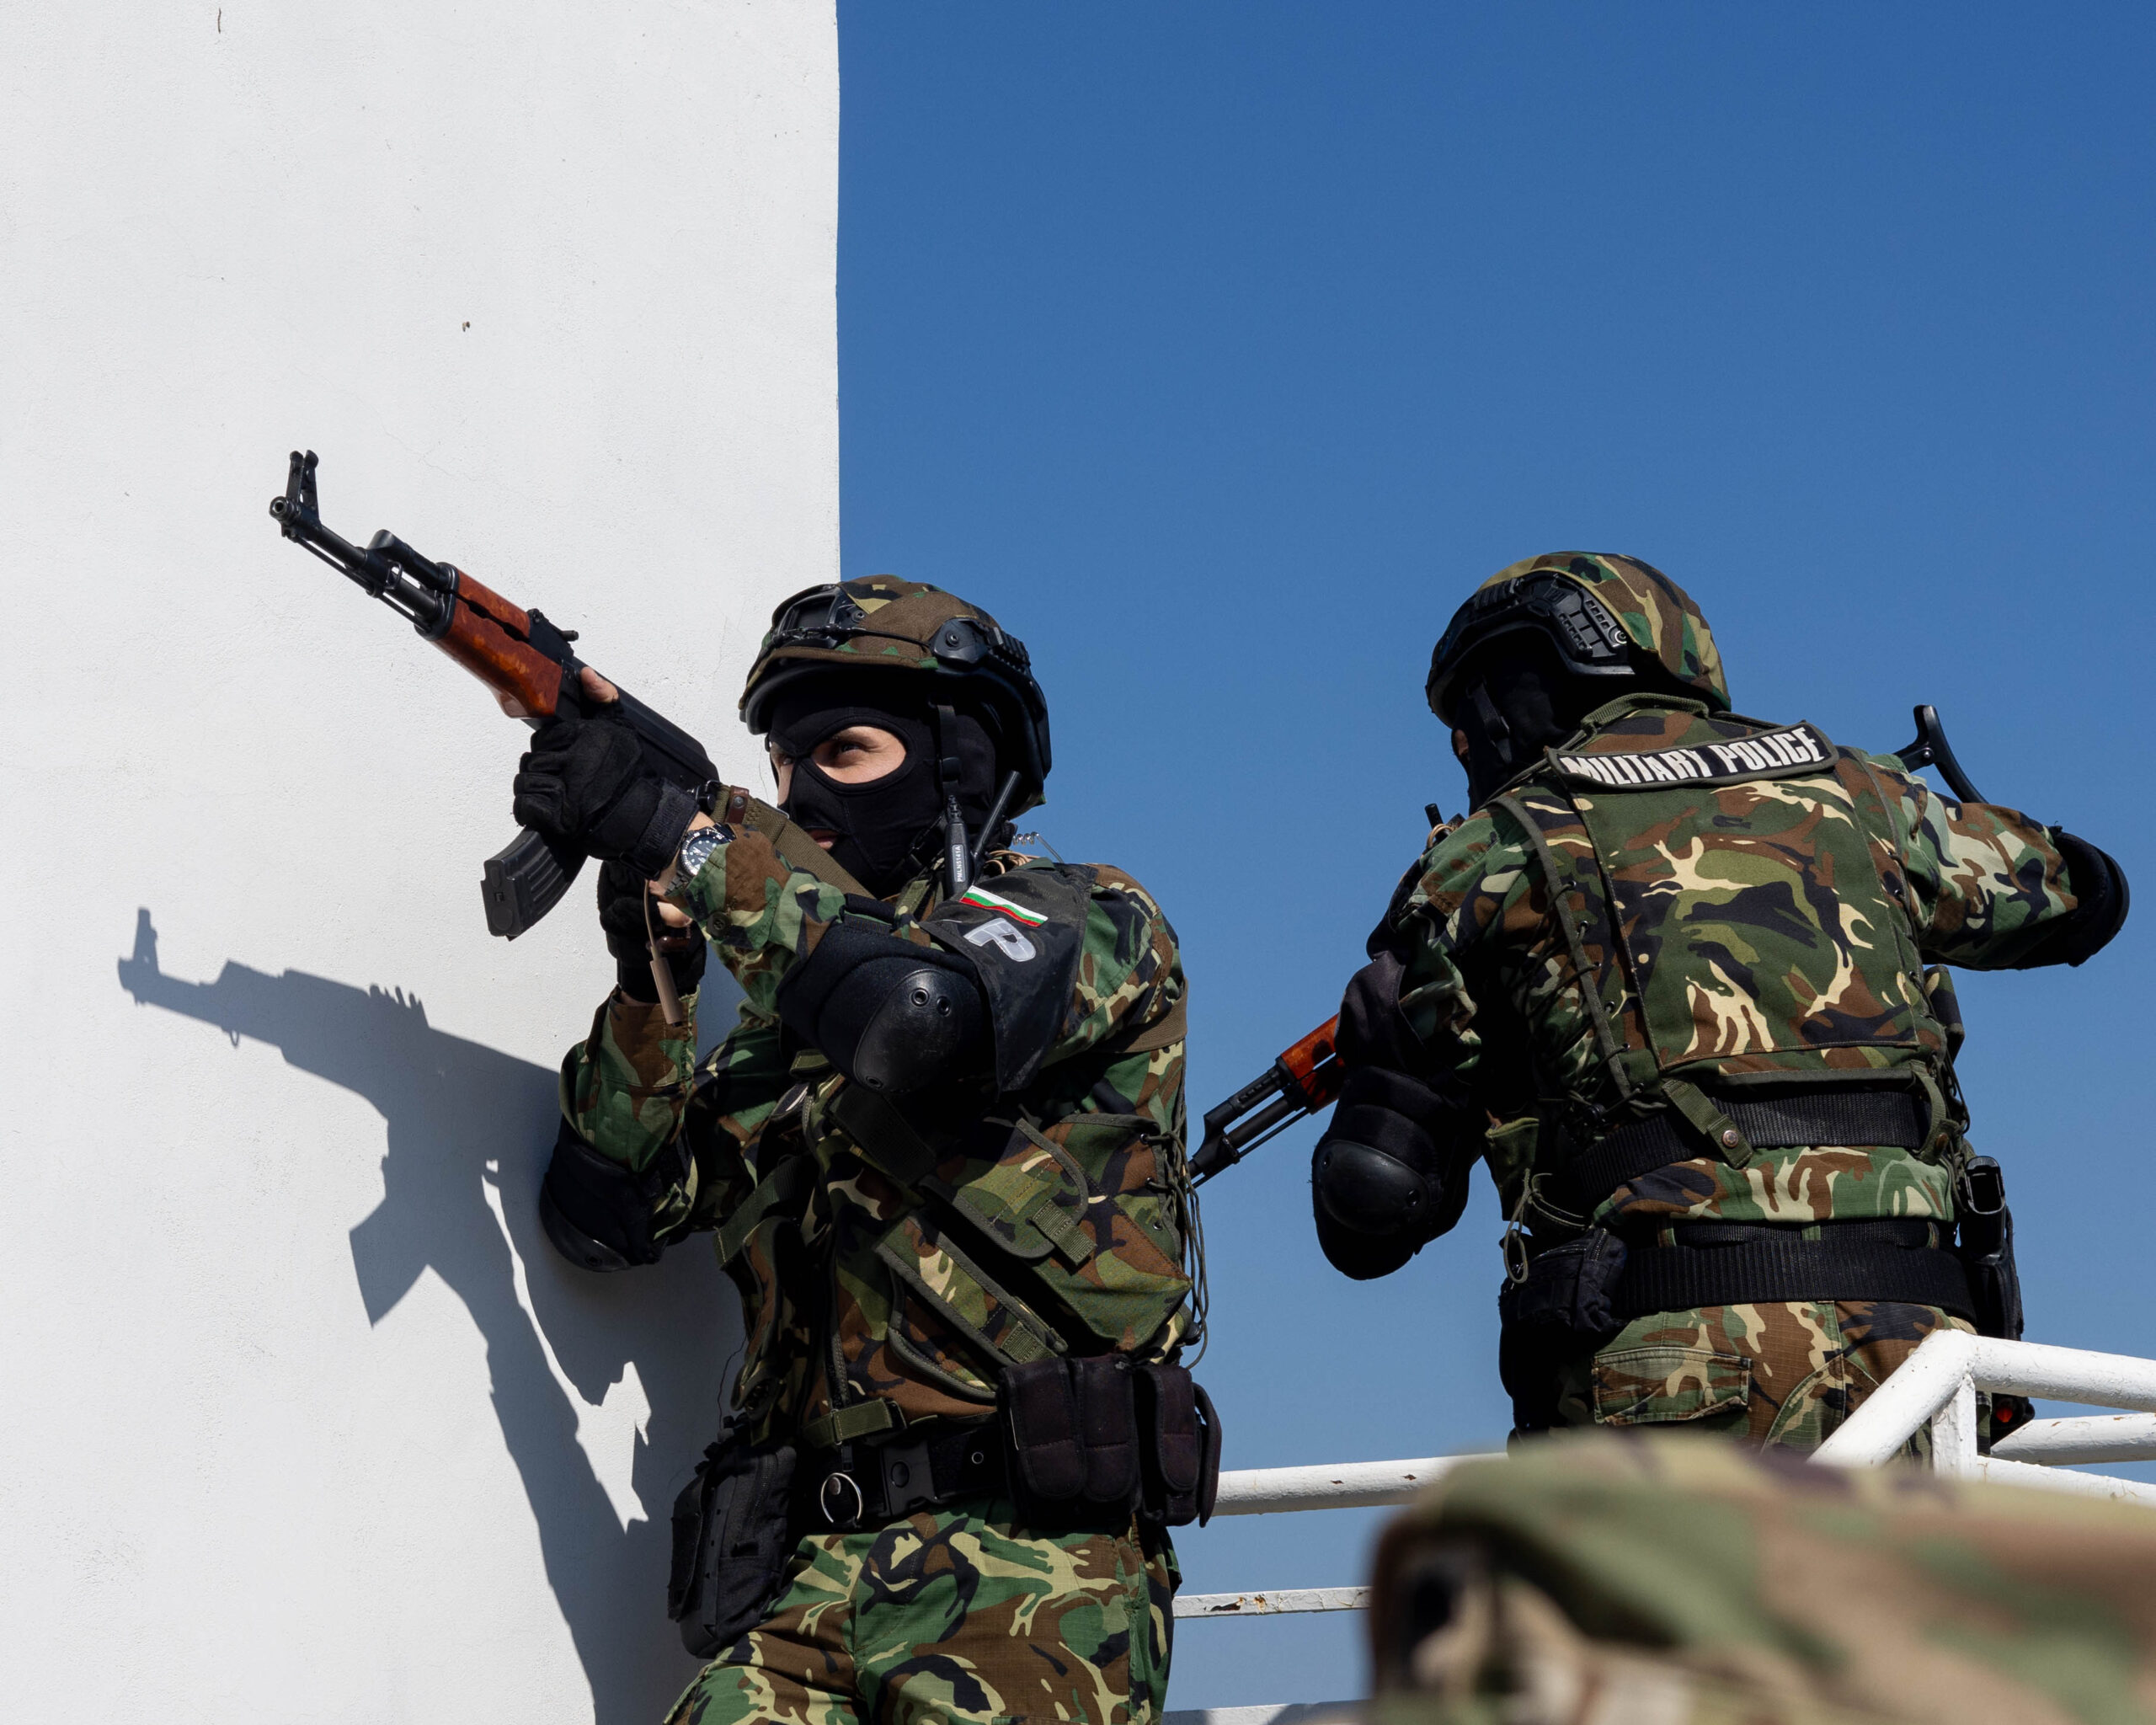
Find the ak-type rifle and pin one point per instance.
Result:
(518, 653)
(1307, 1075)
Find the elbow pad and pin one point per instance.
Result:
(1387, 1177)
(597, 1211)
(888, 1014)
(2101, 900)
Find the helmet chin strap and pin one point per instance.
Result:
(1494, 727)
(958, 847)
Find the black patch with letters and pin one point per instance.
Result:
(1792, 752)
(1025, 956)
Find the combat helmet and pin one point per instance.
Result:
(1606, 615)
(880, 623)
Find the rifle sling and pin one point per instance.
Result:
(795, 848)
(785, 1186)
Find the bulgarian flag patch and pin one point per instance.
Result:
(983, 899)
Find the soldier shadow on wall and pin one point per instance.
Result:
(469, 1132)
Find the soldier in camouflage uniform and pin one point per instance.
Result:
(1669, 979)
(942, 1155)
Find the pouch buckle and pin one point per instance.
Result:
(907, 1476)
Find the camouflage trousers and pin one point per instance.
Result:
(954, 1615)
(1775, 1375)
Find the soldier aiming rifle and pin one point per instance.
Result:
(941, 1154)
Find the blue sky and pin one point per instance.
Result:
(1221, 349)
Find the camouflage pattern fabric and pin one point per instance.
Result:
(1054, 1219)
(1656, 613)
(1664, 1580)
(956, 1616)
(1783, 1375)
(899, 619)
(1605, 930)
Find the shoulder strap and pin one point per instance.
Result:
(796, 849)
(1590, 982)
(784, 1186)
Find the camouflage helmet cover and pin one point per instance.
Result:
(1605, 614)
(878, 623)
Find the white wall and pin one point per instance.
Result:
(299, 1418)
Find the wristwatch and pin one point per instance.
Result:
(695, 851)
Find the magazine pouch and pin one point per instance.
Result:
(1074, 1438)
(733, 1535)
(1181, 1435)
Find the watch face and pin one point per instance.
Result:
(696, 848)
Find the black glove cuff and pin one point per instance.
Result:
(598, 1213)
(2101, 897)
(648, 823)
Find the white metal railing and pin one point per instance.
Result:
(1938, 1384)
(1272, 1490)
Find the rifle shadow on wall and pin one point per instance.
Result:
(469, 1132)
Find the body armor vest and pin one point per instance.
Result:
(1736, 910)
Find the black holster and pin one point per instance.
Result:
(734, 1533)
(1098, 1438)
(1562, 1308)
(1986, 1248)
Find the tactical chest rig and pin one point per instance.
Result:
(1066, 1295)
(1734, 906)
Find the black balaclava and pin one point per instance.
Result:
(890, 828)
(1519, 701)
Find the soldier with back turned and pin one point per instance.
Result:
(1675, 978)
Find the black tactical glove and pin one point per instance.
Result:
(584, 783)
(622, 896)
(2099, 886)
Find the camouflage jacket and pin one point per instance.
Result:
(892, 1256)
(1738, 903)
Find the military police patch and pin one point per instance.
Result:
(1788, 753)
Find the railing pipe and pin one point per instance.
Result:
(1354, 1485)
(1273, 1601)
(2063, 1374)
(1915, 1391)
(2064, 1442)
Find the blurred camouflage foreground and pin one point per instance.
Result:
(1664, 1580)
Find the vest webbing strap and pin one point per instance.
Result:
(795, 848)
(1889, 1259)
(1851, 1114)
(863, 1419)
(785, 1186)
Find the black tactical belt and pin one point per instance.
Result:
(1726, 1264)
(1849, 1115)
(887, 1481)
